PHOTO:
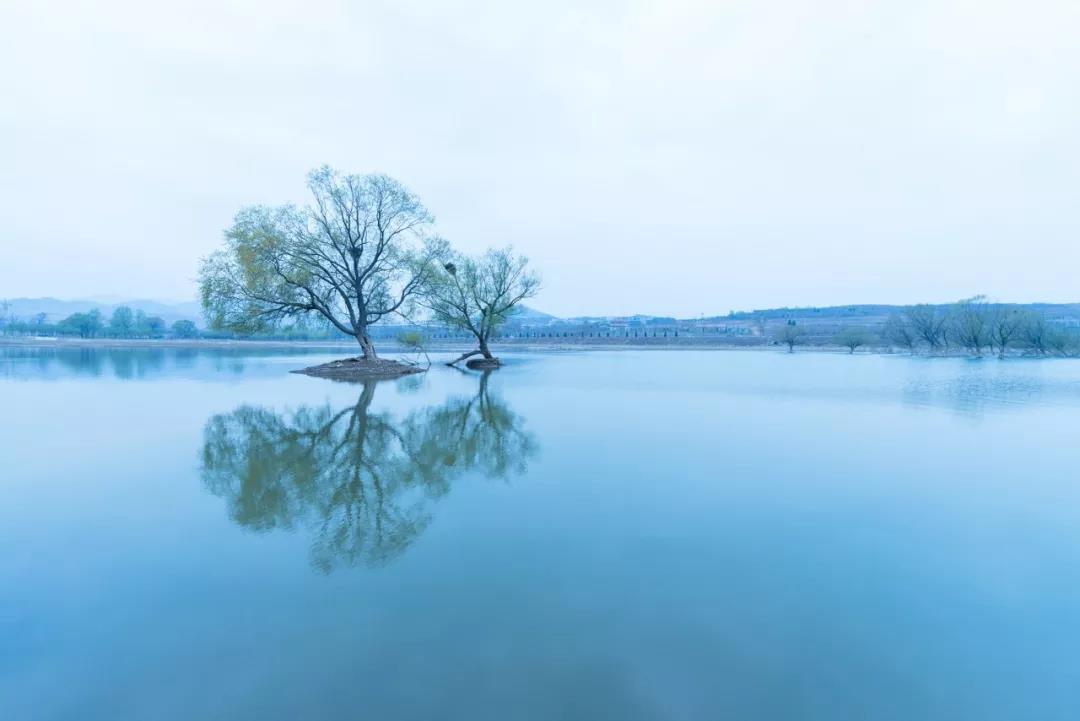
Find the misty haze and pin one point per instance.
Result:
(603, 360)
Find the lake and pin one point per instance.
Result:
(199, 534)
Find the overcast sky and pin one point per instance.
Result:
(666, 157)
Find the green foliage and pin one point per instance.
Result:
(358, 253)
(479, 295)
(412, 339)
(415, 342)
(244, 288)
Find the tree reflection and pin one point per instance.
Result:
(363, 483)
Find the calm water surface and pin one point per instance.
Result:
(611, 535)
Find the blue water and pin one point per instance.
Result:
(608, 535)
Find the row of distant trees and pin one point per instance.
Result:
(123, 323)
(974, 326)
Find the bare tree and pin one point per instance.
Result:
(970, 324)
(1062, 341)
(1036, 333)
(1007, 323)
(479, 295)
(929, 323)
(898, 331)
(789, 334)
(853, 338)
(359, 253)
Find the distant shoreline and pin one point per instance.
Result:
(530, 345)
(390, 345)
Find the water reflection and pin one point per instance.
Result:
(140, 363)
(362, 483)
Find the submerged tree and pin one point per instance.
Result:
(1037, 333)
(899, 332)
(359, 253)
(1006, 326)
(362, 482)
(970, 324)
(929, 323)
(479, 295)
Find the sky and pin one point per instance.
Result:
(674, 158)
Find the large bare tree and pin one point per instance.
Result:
(1007, 324)
(478, 295)
(360, 252)
(929, 323)
(970, 324)
(898, 331)
(1037, 333)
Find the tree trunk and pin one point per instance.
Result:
(366, 346)
(483, 350)
(463, 356)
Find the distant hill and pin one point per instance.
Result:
(56, 309)
(531, 315)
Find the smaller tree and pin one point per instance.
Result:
(416, 343)
(1006, 327)
(478, 295)
(929, 323)
(1062, 341)
(789, 334)
(899, 332)
(1036, 333)
(853, 338)
(970, 324)
(184, 329)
